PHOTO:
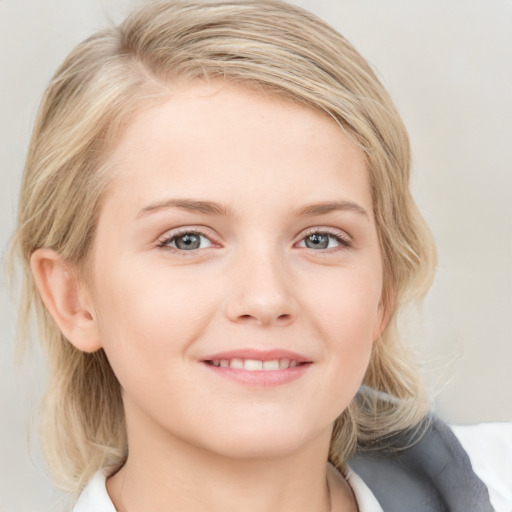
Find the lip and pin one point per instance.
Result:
(261, 355)
(258, 378)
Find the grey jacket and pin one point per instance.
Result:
(432, 475)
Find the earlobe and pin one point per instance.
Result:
(62, 296)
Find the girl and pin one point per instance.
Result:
(217, 235)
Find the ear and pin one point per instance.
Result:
(66, 300)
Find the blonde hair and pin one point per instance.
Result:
(269, 45)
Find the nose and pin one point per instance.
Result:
(261, 292)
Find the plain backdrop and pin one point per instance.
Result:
(448, 66)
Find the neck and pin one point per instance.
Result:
(164, 473)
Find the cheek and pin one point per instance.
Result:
(146, 317)
(347, 317)
(349, 305)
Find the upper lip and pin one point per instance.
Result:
(258, 355)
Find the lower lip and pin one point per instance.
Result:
(263, 378)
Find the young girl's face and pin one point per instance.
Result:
(236, 273)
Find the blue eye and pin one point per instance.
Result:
(324, 240)
(185, 241)
(189, 241)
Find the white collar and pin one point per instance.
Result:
(366, 500)
(95, 498)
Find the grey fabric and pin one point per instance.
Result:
(432, 475)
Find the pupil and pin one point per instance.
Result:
(319, 240)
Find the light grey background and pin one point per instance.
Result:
(448, 65)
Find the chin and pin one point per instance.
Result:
(263, 441)
(258, 449)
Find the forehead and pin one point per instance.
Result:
(250, 142)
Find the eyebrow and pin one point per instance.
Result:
(313, 209)
(213, 208)
(190, 205)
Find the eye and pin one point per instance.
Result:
(186, 241)
(323, 239)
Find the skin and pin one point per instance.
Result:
(200, 441)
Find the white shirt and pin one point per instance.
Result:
(489, 447)
(95, 498)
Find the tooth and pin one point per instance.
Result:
(293, 364)
(253, 365)
(284, 363)
(236, 363)
(216, 363)
(271, 365)
(224, 363)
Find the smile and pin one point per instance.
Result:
(258, 368)
(255, 365)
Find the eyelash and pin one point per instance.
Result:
(344, 241)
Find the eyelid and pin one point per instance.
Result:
(328, 231)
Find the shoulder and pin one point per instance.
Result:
(435, 473)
